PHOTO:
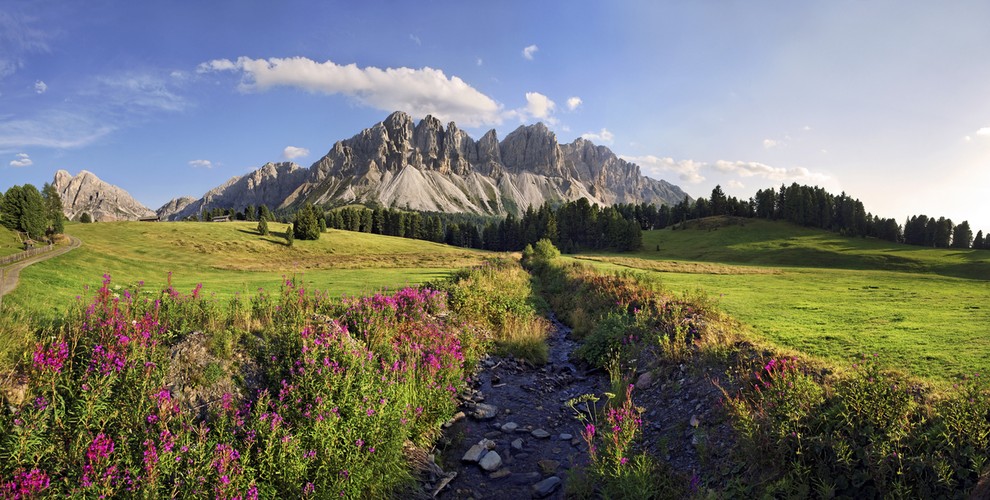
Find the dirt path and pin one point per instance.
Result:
(518, 413)
(12, 272)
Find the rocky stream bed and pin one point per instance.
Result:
(516, 437)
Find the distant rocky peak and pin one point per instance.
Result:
(85, 192)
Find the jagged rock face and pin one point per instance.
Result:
(104, 202)
(428, 167)
(273, 185)
(174, 206)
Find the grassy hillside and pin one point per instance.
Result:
(9, 242)
(770, 243)
(231, 258)
(923, 310)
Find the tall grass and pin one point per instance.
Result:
(347, 386)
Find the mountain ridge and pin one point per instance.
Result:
(85, 192)
(426, 166)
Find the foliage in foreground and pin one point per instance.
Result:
(866, 433)
(348, 385)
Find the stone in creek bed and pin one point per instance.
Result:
(540, 434)
(510, 427)
(517, 444)
(474, 454)
(491, 461)
(545, 487)
(484, 411)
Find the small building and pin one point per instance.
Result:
(222, 218)
(150, 219)
(28, 244)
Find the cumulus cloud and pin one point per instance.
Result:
(688, 171)
(984, 132)
(23, 160)
(769, 143)
(601, 136)
(292, 152)
(201, 164)
(529, 52)
(777, 174)
(416, 91)
(40, 87)
(734, 184)
(539, 105)
(691, 171)
(573, 102)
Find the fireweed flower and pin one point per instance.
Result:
(51, 358)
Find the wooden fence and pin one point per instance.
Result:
(25, 254)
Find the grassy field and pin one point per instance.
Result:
(231, 258)
(9, 242)
(925, 311)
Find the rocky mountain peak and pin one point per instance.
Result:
(532, 148)
(85, 192)
(426, 166)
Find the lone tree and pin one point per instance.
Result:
(307, 223)
(289, 238)
(263, 226)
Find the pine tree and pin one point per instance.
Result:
(289, 235)
(978, 241)
(962, 235)
(307, 223)
(53, 209)
(263, 226)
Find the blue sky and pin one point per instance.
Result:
(887, 100)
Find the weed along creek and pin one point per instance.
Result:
(515, 435)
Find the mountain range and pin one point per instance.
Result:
(417, 166)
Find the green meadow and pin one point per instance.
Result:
(924, 311)
(230, 258)
(9, 242)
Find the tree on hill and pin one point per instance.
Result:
(263, 211)
(289, 235)
(53, 209)
(24, 210)
(250, 213)
(978, 242)
(962, 235)
(307, 223)
(263, 226)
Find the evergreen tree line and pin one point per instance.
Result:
(35, 213)
(572, 226)
(815, 207)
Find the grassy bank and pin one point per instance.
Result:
(804, 427)
(231, 258)
(148, 392)
(845, 298)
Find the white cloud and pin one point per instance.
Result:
(601, 136)
(734, 184)
(137, 92)
(529, 52)
(415, 39)
(415, 91)
(23, 160)
(53, 129)
(769, 143)
(688, 171)
(18, 39)
(40, 87)
(691, 171)
(292, 152)
(985, 132)
(777, 174)
(539, 105)
(479, 62)
(201, 164)
(573, 102)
